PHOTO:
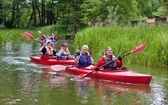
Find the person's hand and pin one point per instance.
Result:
(96, 69)
(77, 53)
(120, 58)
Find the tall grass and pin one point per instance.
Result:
(17, 34)
(124, 39)
(11, 35)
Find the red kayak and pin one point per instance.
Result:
(52, 61)
(113, 75)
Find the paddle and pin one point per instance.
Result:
(30, 36)
(58, 67)
(137, 49)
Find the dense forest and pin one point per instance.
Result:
(72, 15)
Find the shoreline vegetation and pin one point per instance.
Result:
(121, 39)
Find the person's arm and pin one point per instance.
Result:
(100, 63)
(40, 50)
(59, 53)
(68, 52)
(77, 59)
(92, 61)
(54, 52)
(119, 62)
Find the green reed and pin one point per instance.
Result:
(17, 34)
(11, 35)
(123, 39)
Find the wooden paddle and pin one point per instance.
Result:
(137, 49)
(30, 36)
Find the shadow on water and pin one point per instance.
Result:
(25, 83)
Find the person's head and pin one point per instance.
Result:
(108, 51)
(64, 45)
(84, 49)
(49, 43)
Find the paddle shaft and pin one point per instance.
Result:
(38, 40)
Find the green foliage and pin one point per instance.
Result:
(123, 39)
(73, 15)
(145, 8)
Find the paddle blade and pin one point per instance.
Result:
(28, 35)
(58, 67)
(138, 48)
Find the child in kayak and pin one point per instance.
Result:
(109, 57)
(47, 49)
(83, 58)
(64, 52)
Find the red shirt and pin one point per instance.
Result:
(102, 62)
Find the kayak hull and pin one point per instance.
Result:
(113, 75)
(52, 61)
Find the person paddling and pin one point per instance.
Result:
(108, 57)
(47, 49)
(83, 58)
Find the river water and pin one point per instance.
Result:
(23, 82)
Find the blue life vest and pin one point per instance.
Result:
(84, 62)
(63, 56)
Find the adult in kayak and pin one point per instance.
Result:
(109, 57)
(51, 37)
(64, 52)
(47, 49)
(83, 58)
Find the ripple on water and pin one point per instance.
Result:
(159, 91)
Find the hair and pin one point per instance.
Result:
(85, 46)
(108, 47)
(48, 42)
(64, 44)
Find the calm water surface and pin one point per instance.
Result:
(25, 83)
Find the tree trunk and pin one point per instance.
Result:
(75, 17)
(39, 13)
(13, 16)
(34, 12)
(43, 12)
(31, 17)
(17, 16)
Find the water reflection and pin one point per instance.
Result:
(54, 79)
(83, 88)
(108, 91)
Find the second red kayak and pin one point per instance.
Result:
(52, 61)
(113, 75)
